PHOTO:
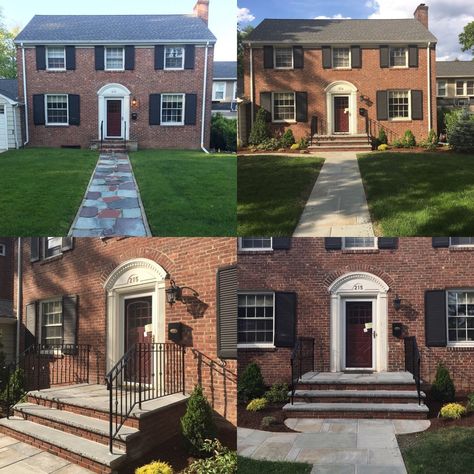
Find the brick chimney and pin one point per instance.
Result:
(201, 10)
(421, 14)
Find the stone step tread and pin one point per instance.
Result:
(358, 393)
(359, 407)
(74, 444)
(347, 378)
(75, 420)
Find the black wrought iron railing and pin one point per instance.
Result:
(317, 128)
(101, 133)
(373, 127)
(146, 372)
(413, 362)
(302, 361)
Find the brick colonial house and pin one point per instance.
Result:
(327, 78)
(143, 79)
(354, 313)
(224, 89)
(455, 84)
(146, 318)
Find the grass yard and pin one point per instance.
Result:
(42, 189)
(272, 192)
(187, 193)
(447, 450)
(252, 466)
(419, 194)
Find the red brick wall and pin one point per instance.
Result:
(141, 82)
(308, 269)
(6, 269)
(190, 261)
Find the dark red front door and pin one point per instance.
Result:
(358, 341)
(114, 118)
(341, 117)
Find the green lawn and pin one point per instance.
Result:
(272, 192)
(420, 194)
(42, 188)
(251, 466)
(187, 193)
(447, 450)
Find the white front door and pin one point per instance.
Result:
(3, 128)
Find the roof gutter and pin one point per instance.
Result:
(428, 62)
(25, 96)
(14, 125)
(204, 97)
(19, 291)
(252, 110)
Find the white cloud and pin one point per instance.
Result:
(447, 19)
(338, 16)
(244, 15)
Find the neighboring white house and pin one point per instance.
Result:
(224, 88)
(10, 115)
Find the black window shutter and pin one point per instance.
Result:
(417, 105)
(327, 60)
(387, 242)
(191, 108)
(129, 58)
(99, 58)
(382, 105)
(189, 55)
(268, 57)
(384, 56)
(69, 319)
(298, 57)
(38, 109)
(70, 58)
(285, 319)
(413, 55)
(74, 103)
(333, 243)
(67, 244)
(155, 109)
(266, 104)
(159, 56)
(435, 318)
(301, 106)
(35, 249)
(439, 242)
(356, 57)
(226, 311)
(281, 243)
(30, 324)
(40, 58)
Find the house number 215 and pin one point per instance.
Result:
(358, 287)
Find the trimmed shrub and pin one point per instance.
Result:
(408, 139)
(454, 411)
(222, 460)
(461, 137)
(382, 138)
(269, 144)
(443, 387)
(268, 421)
(470, 402)
(295, 146)
(257, 404)
(278, 393)
(287, 138)
(223, 133)
(382, 147)
(155, 467)
(259, 132)
(431, 141)
(303, 143)
(250, 384)
(451, 118)
(197, 424)
(397, 143)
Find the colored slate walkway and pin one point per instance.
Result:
(337, 205)
(112, 203)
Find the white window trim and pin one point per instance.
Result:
(256, 249)
(399, 119)
(214, 90)
(273, 108)
(40, 329)
(105, 58)
(292, 58)
(341, 68)
(3, 250)
(445, 88)
(56, 68)
(374, 247)
(172, 124)
(463, 89)
(460, 245)
(390, 58)
(164, 58)
(456, 343)
(55, 124)
(259, 345)
(234, 91)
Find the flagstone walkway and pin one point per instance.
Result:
(112, 203)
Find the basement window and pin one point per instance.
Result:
(359, 243)
(255, 243)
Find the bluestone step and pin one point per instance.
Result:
(357, 393)
(359, 407)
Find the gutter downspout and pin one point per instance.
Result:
(252, 110)
(15, 108)
(204, 96)
(18, 300)
(429, 85)
(27, 135)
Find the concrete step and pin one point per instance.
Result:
(357, 396)
(86, 453)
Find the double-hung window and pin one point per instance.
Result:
(52, 322)
(441, 88)
(359, 243)
(460, 88)
(56, 109)
(460, 317)
(464, 88)
(399, 105)
(398, 57)
(114, 59)
(55, 58)
(283, 58)
(341, 58)
(174, 57)
(218, 91)
(284, 109)
(255, 322)
(255, 243)
(172, 109)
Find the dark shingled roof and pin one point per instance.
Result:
(9, 88)
(340, 31)
(454, 68)
(225, 70)
(114, 28)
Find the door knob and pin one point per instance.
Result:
(374, 334)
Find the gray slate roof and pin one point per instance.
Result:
(454, 68)
(341, 31)
(114, 28)
(225, 70)
(9, 88)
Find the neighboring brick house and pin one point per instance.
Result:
(327, 78)
(455, 84)
(144, 79)
(8, 321)
(97, 306)
(224, 88)
(10, 115)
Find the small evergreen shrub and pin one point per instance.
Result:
(303, 143)
(453, 411)
(222, 460)
(295, 146)
(451, 119)
(257, 404)
(268, 421)
(278, 393)
(250, 383)
(431, 141)
(382, 137)
(408, 140)
(197, 424)
(259, 132)
(287, 138)
(470, 402)
(382, 147)
(155, 467)
(223, 133)
(443, 387)
(397, 143)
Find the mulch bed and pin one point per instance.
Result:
(253, 420)
(437, 423)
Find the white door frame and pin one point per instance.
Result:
(5, 123)
(114, 91)
(341, 88)
(122, 121)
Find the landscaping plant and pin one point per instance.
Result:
(382, 147)
(268, 421)
(259, 131)
(461, 137)
(443, 387)
(287, 138)
(250, 383)
(431, 141)
(470, 402)
(222, 460)
(382, 138)
(408, 140)
(453, 411)
(278, 393)
(155, 467)
(223, 133)
(257, 404)
(303, 143)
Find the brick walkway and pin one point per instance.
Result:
(112, 203)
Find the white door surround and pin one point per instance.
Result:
(117, 92)
(341, 88)
(138, 277)
(360, 286)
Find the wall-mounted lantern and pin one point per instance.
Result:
(134, 102)
(175, 293)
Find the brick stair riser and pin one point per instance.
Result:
(343, 399)
(357, 414)
(329, 386)
(325, 149)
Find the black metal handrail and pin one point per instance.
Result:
(101, 134)
(125, 135)
(373, 127)
(302, 361)
(413, 362)
(147, 371)
(318, 127)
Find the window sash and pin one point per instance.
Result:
(284, 107)
(359, 243)
(52, 322)
(218, 91)
(174, 57)
(441, 85)
(469, 87)
(283, 58)
(461, 241)
(460, 317)
(114, 59)
(56, 109)
(255, 243)
(341, 58)
(398, 57)
(399, 104)
(172, 109)
(256, 319)
(56, 58)
(460, 88)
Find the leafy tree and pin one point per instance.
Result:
(466, 38)
(241, 35)
(7, 51)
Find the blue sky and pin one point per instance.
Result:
(221, 22)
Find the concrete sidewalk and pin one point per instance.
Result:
(341, 446)
(337, 205)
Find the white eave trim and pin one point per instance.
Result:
(10, 101)
(151, 42)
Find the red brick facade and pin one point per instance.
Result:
(6, 269)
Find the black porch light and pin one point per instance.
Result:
(397, 303)
(173, 293)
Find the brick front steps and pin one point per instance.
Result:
(358, 396)
(340, 143)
